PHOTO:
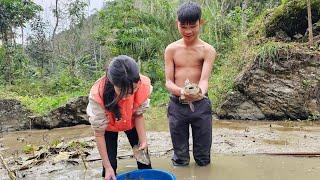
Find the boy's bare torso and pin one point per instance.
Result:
(188, 61)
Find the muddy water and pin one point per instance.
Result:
(13, 142)
(224, 167)
(231, 139)
(228, 137)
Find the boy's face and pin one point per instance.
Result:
(189, 31)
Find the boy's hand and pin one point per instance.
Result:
(191, 92)
(193, 97)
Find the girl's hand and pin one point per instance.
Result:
(143, 145)
(109, 174)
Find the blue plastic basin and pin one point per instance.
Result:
(146, 174)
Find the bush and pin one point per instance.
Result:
(290, 18)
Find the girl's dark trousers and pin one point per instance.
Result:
(111, 139)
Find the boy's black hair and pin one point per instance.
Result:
(189, 12)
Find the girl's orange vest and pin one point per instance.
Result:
(127, 105)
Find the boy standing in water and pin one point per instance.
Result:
(189, 59)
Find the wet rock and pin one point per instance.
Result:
(71, 114)
(237, 107)
(286, 86)
(13, 115)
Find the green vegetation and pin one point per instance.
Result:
(227, 68)
(48, 72)
(270, 50)
(290, 18)
(41, 96)
(29, 148)
(13, 14)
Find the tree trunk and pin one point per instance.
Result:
(8, 42)
(310, 23)
(13, 38)
(95, 54)
(8, 62)
(22, 37)
(244, 16)
(100, 53)
(56, 25)
(5, 38)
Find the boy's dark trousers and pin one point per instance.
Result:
(111, 139)
(180, 117)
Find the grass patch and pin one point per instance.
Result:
(43, 96)
(226, 69)
(42, 104)
(160, 95)
(270, 50)
(156, 118)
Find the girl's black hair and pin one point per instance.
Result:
(189, 12)
(123, 72)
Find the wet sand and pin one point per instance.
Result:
(237, 152)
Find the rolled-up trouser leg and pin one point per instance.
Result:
(179, 130)
(201, 125)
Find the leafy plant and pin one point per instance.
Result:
(29, 148)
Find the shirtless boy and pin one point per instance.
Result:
(189, 58)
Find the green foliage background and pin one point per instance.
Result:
(45, 76)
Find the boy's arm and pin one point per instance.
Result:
(210, 56)
(169, 72)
